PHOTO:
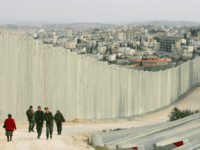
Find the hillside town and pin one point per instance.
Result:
(130, 46)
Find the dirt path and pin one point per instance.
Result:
(74, 135)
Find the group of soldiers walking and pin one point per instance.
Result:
(39, 117)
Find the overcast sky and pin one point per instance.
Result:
(104, 11)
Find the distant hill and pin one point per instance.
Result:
(166, 23)
(28, 26)
(76, 25)
(35, 26)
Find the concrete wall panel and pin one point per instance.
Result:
(143, 90)
(169, 90)
(107, 91)
(117, 92)
(55, 79)
(140, 101)
(135, 93)
(147, 96)
(151, 92)
(99, 90)
(2, 114)
(33, 73)
(7, 68)
(95, 93)
(159, 89)
(15, 72)
(130, 91)
(198, 66)
(30, 70)
(21, 77)
(155, 76)
(126, 93)
(50, 72)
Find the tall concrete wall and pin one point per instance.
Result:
(33, 73)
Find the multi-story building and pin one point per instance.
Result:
(156, 46)
(111, 57)
(198, 35)
(161, 32)
(68, 32)
(101, 49)
(129, 34)
(69, 44)
(168, 44)
(124, 35)
(120, 35)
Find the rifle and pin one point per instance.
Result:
(53, 126)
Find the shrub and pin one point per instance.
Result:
(178, 114)
(100, 148)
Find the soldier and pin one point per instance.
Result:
(59, 119)
(39, 119)
(30, 116)
(49, 122)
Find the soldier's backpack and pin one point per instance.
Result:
(59, 117)
(29, 114)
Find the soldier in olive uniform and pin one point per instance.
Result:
(30, 115)
(39, 119)
(49, 122)
(59, 119)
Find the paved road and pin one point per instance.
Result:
(75, 134)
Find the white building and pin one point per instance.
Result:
(183, 41)
(129, 52)
(111, 57)
(126, 51)
(119, 54)
(187, 49)
(69, 44)
(101, 43)
(68, 32)
(143, 30)
(92, 43)
(190, 49)
(120, 35)
(101, 49)
(156, 46)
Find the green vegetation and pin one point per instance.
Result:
(178, 114)
(157, 38)
(112, 62)
(100, 148)
(78, 41)
(124, 64)
(117, 129)
(141, 63)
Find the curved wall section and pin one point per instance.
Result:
(33, 73)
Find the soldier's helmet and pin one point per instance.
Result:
(58, 111)
(46, 108)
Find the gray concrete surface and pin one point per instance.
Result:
(143, 133)
(33, 73)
